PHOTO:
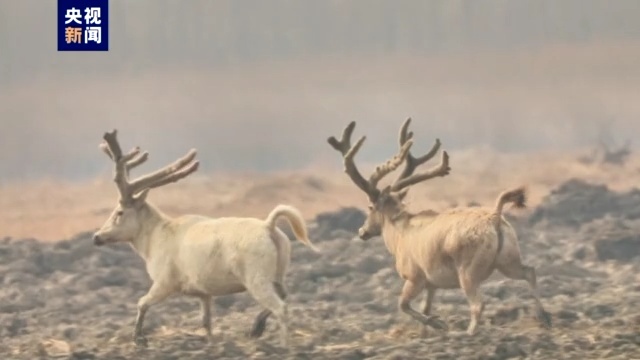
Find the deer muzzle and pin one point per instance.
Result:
(364, 234)
(97, 240)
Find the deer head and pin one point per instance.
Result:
(127, 219)
(387, 202)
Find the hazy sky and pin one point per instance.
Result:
(261, 84)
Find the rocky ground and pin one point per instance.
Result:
(70, 299)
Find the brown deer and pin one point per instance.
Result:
(457, 248)
(195, 255)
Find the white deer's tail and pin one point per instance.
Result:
(296, 221)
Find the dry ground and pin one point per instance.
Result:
(51, 210)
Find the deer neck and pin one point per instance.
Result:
(392, 230)
(153, 221)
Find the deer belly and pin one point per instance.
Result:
(443, 277)
(213, 284)
(225, 289)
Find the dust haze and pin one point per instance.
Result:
(258, 86)
(521, 93)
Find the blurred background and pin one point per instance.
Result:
(537, 93)
(260, 85)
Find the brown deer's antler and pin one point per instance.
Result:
(124, 163)
(407, 178)
(348, 152)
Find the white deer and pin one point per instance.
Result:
(196, 255)
(458, 248)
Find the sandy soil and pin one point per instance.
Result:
(69, 299)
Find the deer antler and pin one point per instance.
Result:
(135, 160)
(124, 163)
(411, 163)
(348, 153)
(407, 177)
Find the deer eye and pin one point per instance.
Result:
(119, 213)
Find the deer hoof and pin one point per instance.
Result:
(544, 318)
(257, 330)
(140, 341)
(436, 323)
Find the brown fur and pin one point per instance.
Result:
(458, 248)
(516, 196)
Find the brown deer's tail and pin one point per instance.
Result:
(517, 196)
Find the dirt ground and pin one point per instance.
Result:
(69, 299)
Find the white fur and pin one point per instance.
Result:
(204, 257)
(196, 255)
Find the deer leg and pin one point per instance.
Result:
(476, 305)
(518, 271)
(427, 305)
(156, 294)
(205, 308)
(269, 296)
(428, 301)
(410, 291)
(260, 324)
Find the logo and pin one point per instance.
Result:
(83, 25)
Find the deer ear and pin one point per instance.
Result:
(142, 196)
(403, 193)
